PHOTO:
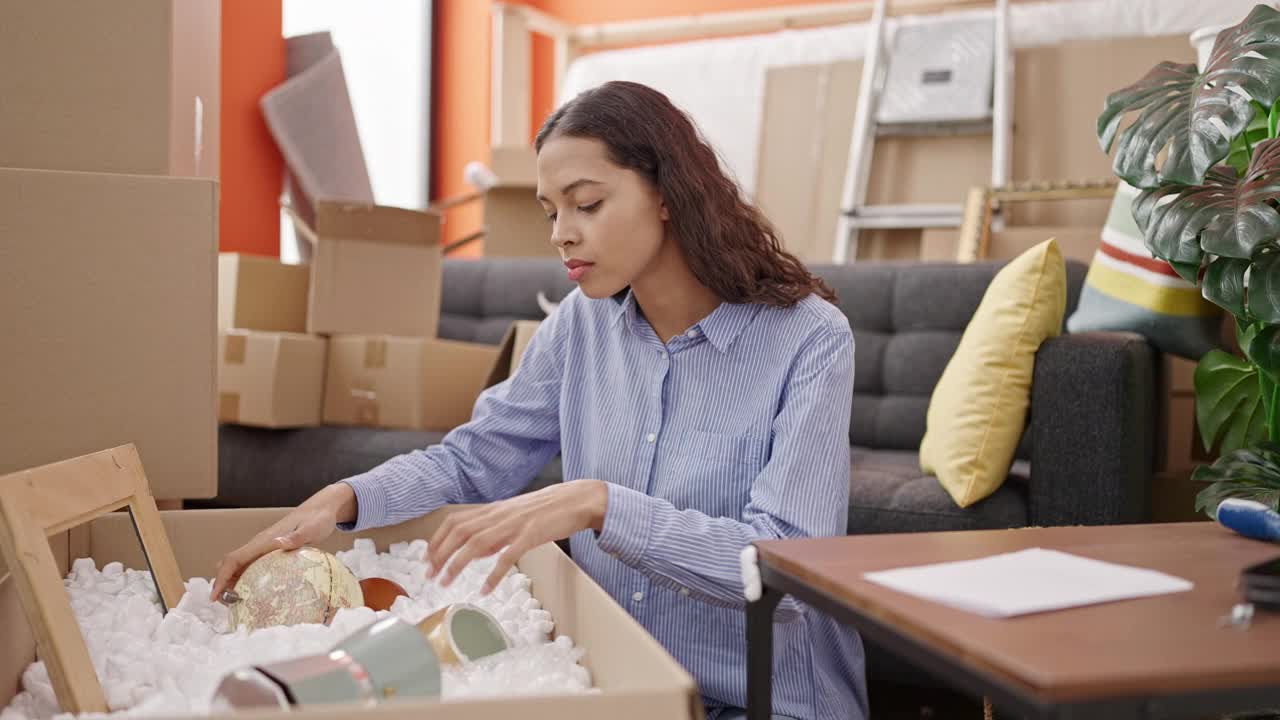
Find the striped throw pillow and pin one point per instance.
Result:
(1128, 289)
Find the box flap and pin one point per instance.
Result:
(514, 165)
(377, 223)
(502, 363)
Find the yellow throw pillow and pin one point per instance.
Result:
(979, 407)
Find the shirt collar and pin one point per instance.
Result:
(722, 327)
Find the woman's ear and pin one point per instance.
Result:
(662, 211)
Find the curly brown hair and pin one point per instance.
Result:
(729, 245)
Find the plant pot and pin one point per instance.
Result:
(1202, 41)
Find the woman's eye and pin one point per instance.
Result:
(590, 208)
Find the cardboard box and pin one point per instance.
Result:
(402, 382)
(107, 284)
(267, 379)
(111, 87)
(375, 271)
(1078, 242)
(511, 350)
(515, 223)
(636, 678)
(261, 293)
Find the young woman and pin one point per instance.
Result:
(698, 387)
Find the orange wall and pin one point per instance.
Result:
(460, 81)
(251, 170)
(460, 106)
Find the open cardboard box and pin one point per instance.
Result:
(375, 270)
(635, 676)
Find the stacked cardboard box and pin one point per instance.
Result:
(270, 372)
(515, 225)
(375, 290)
(351, 338)
(374, 281)
(107, 260)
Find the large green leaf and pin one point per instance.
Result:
(1194, 115)
(1226, 216)
(1264, 284)
(1181, 250)
(1264, 349)
(1252, 473)
(1229, 407)
(1223, 284)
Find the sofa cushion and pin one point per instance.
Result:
(481, 299)
(888, 493)
(258, 467)
(902, 345)
(978, 412)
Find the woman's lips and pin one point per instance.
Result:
(577, 270)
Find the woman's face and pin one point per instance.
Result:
(607, 221)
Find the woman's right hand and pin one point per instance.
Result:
(309, 523)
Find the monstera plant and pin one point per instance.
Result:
(1203, 149)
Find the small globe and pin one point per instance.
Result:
(291, 587)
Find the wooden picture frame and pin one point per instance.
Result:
(982, 203)
(44, 501)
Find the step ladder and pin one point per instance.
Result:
(855, 214)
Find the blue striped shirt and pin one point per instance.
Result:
(732, 432)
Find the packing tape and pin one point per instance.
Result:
(229, 407)
(234, 350)
(375, 353)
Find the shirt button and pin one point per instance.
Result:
(693, 332)
(684, 592)
(651, 437)
(637, 596)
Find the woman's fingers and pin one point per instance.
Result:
(284, 534)
(452, 534)
(479, 545)
(507, 559)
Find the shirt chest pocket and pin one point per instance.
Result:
(715, 471)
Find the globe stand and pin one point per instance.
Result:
(47, 500)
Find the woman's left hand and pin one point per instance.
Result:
(518, 524)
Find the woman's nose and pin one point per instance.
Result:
(562, 236)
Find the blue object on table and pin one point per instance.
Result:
(1250, 518)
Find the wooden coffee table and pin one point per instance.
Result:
(1161, 657)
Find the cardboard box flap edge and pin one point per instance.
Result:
(514, 165)
(377, 223)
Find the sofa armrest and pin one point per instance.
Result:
(1093, 400)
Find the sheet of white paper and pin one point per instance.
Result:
(1027, 581)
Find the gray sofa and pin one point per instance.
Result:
(1086, 457)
